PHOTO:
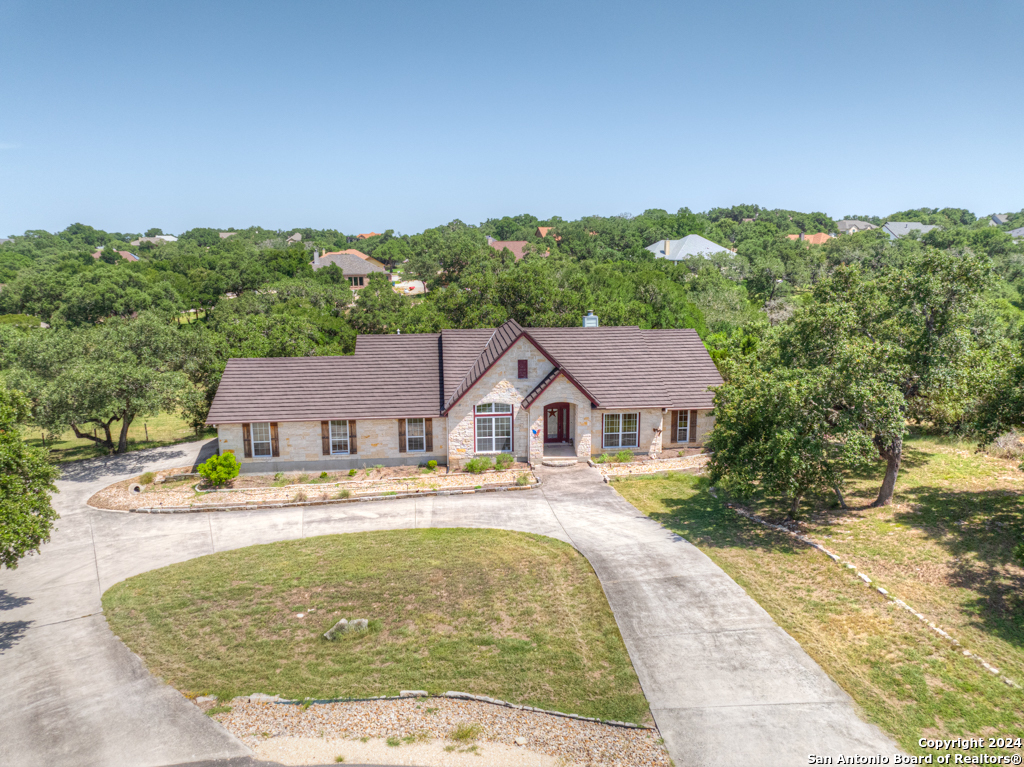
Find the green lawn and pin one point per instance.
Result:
(162, 429)
(510, 615)
(944, 548)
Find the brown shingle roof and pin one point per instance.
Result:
(516, 246)
(388, 377)
(367, 236)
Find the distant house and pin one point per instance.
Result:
(812, 239)
(225, 235)
(367, 236)
(690, 245)
(295, 238)
(897, 229)
(853, 225)
(516, 246)
(5, 240)
(998, 219)
(1016, 233)
(123, 253)
(159, 239)
(352, 266)
(354, 252)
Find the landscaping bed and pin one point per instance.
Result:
(693, 461)
(945, 548)
(177, 488)
(513, 616)
(432, 731)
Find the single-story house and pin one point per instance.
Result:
(517, 247)
(1016, 233)
(122, 253)
(458, 394)
(294, 239)
(542, 232)
(5, 240)
(354, 252)
(367, 236)
(225, 235)
(812, 239)
(690, 245)
(998, 219)
(352, 266)
(158, 239)
(853, 225)
(902, 228)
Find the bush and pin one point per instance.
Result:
(147, 478)
(298, 497)
(624, 456)
(342, 494)
(278, 477)
(219, 469)
(503, 461)
(351, 472)
(477, 465)
(1007, 445)
(523, 479)
(323, 475)
(431, 465)
(465, 732)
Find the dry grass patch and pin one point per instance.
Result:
(905, 678)
(511, 615)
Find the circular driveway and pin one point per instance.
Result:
(726, 685)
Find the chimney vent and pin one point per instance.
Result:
(590, 320)
(316, 257)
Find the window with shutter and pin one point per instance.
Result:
(683, 426)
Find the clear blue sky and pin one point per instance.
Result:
(369, 115)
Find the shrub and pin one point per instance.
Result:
(393, 741)
(464, 733)
(302, 479)
(503, 461)
(279, 476)
(523, 479)
(147, 478)
(323, 475)
(351, 472)
(1007, 445)
(431, 465)
(477, 465)
(342, 494)
(299, 496)
(219, 469)
(603, 458)
(624, 456)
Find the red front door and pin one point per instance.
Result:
(556, 423)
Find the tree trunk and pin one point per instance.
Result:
(122, 442)
(892, 452)
(794, 507)
(839, 495)
(107, 441)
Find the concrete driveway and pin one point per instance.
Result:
(726, 685)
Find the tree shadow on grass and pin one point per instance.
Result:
(980, 530)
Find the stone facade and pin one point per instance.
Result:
(705, 423)
(649, 433)
(301, 447)
(580, 418)
(499, 384)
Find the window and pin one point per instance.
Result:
(356, 281)
(621, 429)
(261, 440)
(415, 435)
(339, 437)
(683, 429)
(493, 432)
(524, 369)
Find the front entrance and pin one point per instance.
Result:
(556, 423)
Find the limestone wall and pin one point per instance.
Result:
(649, 434)
(301, 442)
(705, 423)
(580, 413)
(499, 384)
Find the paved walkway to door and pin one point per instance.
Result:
(726, 685)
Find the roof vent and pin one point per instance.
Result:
(590, 319)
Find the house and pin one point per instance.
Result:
(690, 245)
(998, 219)
(352, 266)
(5, 240)
(812, 239)
(225, 235)
(517, 247)
(367, 236)
(853, 225)
(294, 239)
(123, 253)
(542, 232)
(902, 228)
(360, 254)
(1016, 233)
(458, 394)
(159, 239)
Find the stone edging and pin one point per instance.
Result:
(407, 694)
(899, 602)
(320, 501)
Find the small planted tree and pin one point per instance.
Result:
(218, 470)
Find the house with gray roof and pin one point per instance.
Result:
(352, 266)
(452, 396)
(688, 246)
(897, 229)
(853, 225)
(1016, 233)
(998, 219)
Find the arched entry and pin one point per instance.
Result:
(556, 424)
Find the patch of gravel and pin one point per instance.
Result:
(653, 467)
(317, 751)
(303, 732)
(118, 497)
